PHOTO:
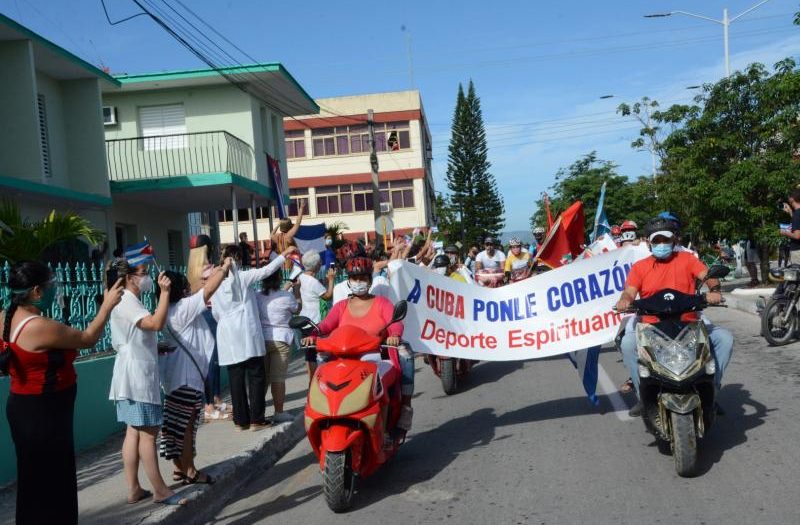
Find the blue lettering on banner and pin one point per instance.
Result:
(585, 289)
(505, 310)
(416, 292)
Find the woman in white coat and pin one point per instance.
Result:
(240, 341)
(135, 385)
(184, 372)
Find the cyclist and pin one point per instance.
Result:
(518, 263)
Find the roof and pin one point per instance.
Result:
(51, 58)
(269, 78)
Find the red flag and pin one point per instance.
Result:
(549, 215)
(565, 239)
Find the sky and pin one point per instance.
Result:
(540, 68)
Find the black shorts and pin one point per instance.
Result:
(311, 355)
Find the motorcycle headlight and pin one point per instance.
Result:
(676, 355)
(789, 275)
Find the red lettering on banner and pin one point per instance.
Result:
(445, 302)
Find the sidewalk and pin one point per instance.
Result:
(230, 456)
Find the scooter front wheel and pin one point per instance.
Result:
(338, 481)
(684, 444)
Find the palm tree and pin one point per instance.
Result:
(22, 239)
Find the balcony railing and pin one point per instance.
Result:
(181, 154)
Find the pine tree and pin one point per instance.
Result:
(473, 188)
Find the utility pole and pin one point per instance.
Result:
(373, 162)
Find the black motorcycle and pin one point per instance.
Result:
(676, 372)
(779, 321)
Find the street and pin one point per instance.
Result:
(521, 444)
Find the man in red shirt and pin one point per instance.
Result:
(668, 268)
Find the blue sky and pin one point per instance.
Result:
(540, 68)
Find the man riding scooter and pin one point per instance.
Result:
(668, 268)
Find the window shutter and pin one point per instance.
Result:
(158, 121)
(44, 136)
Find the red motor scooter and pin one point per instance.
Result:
(345, 409)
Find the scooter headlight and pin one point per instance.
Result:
(676, 355)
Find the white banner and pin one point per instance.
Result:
(553, 313)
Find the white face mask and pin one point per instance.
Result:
(440, 271)
(328, 242)
(144, 283)
(358, 288)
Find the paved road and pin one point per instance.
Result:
(521, 445)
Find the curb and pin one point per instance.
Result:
(741, 304)
(205, 501)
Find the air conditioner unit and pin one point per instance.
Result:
(386, 207)
(109, 115)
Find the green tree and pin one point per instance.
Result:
(732, 156)
(472, 186)
(447, 220)
(582, 181)
(21, 239)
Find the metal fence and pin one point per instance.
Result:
(180, 154)
(82, 288)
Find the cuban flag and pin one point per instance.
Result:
(138, 254)
(274, 168)
(585, 361)
(310, 237)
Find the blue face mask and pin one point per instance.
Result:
(661, 251)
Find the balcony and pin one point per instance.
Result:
(186, 171)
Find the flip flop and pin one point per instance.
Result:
(143, 496)
(176, 500)
(627, 386)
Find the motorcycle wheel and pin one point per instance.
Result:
(447, 369)
(777, 336)
(338, 482)
(684, 444)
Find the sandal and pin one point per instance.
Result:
(177, 475)
(142, 496)
(216, 415)
(197, 480)
(627, 386)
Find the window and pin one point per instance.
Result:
(295, 144)
(227, 215)
(400, 193)
(44, 135)
(295, 194)
(344, 140)
(344, 198)
(165, 124)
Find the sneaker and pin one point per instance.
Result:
(636, 410)
(282, 417)
(406, 415)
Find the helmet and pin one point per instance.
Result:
(359, 266)
(514, 242)
(441, 261)
(538, 230)
(628, 225)
(615, 230)
(670, 217)
(451, 249)
(660, 224)
(628, 235)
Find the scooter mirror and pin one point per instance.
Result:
(400, 311)
(300, 323)
(717, 271)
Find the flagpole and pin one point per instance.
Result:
(155, 262)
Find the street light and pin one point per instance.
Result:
(725, 22)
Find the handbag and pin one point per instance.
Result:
(206, 389)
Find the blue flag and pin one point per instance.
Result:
(585, 361)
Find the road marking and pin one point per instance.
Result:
(609, 389)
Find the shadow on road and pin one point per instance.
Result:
(731, 430)
(485, 372)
